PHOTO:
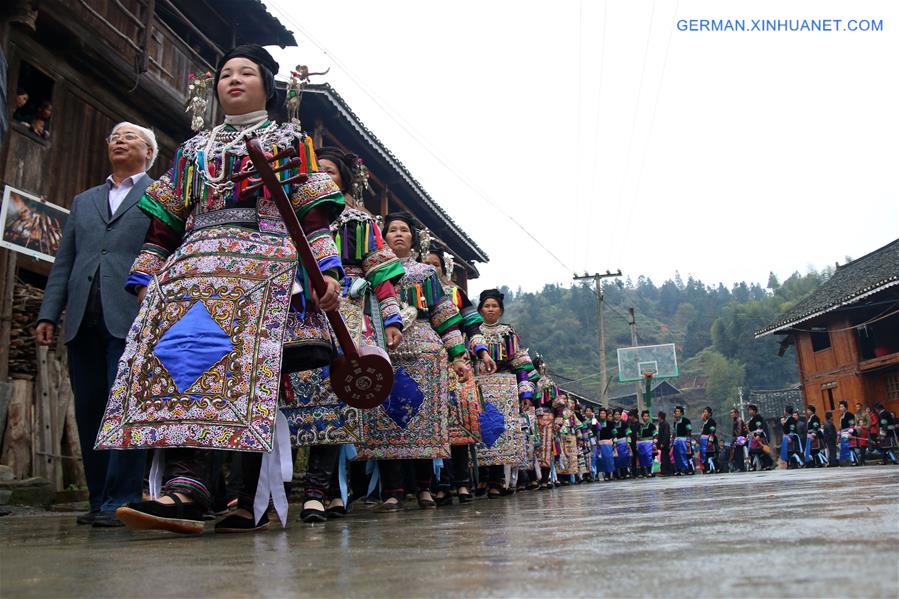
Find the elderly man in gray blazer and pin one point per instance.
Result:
(102, 237)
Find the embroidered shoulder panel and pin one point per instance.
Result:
(416, 273)
(495, 334)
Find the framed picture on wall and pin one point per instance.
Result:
(30, 225)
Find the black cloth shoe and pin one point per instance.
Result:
(180, 517)
(336, 511)
(465, 497)
(445, 500)
(390, 506)
(235, 523)
(311, 515)
(426, 503)
(86, 518)
(106, 520)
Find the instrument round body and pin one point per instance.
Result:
(363, 381)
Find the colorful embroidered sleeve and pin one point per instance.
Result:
(445, 318)
(389, 305)
(168, 213)
(471, 321)
(523, 368)
(316, 227)
(319, 191)
(380, 266)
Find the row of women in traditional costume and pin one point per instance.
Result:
(230, 349)
(610, 444)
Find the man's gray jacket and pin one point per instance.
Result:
(97, 244)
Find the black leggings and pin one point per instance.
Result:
(456, 473)
(321, 476)
(189, 471)
(392, 477)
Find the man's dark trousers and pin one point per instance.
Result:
(93, 360)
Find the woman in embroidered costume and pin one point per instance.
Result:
(412, 423)
(464, 402)
(572, 459)
(369, 306)
(501, 436)
(524, 477)
(545, 396)
(225, 309)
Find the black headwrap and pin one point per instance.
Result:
(493, 294)
(268, 68)
(406, 218)
(345, 162)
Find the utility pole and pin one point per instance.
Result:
(633, 323)
(740, 392)
(603, 373)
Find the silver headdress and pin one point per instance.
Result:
(299, 80)
(360, 180)
(449, 265)
(199, 89)
(424, 242)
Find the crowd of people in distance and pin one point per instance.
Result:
(619, 445)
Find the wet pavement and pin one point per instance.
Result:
(825, 533)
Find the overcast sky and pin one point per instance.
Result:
(619, 141)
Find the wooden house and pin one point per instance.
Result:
(96, 63)
(846, 334)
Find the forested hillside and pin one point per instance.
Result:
(712, 327)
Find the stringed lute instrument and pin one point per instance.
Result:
(361, 377)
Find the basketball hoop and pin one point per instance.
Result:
(645, 362)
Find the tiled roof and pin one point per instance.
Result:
(253, 24)
(851, 282)
(771, 403)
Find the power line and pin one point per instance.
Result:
(630, 141)
(652, 120)
(882, 316)
(580, 94)
(597, 280)
(599, 113)
(410, 131)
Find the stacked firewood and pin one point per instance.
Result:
(26, 305)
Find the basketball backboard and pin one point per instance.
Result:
(635, 362)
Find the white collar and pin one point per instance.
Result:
(244, 120)
(133, 178)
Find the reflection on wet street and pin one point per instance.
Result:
(783, 533)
